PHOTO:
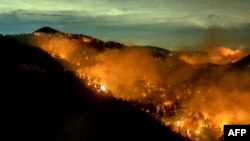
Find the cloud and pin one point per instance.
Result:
(160, 22)
(190, 12)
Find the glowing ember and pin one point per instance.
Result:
(178, 123)
(62, 56)
(103, 88)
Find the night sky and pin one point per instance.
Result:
(163, 23)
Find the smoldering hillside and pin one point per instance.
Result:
(193, 91)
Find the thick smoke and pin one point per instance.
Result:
(214, 49)
(219, 55)
(191, 94)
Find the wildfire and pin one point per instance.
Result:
(103, 88)
(188, 59)
(178, 123)
(219, 55)
(62, 56)
(229, 52)
(194, 101)
(86, 39)
(197, 132)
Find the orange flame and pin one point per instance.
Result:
(190, 102)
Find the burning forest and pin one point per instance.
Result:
(194, 92)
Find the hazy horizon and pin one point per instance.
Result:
(164, 23)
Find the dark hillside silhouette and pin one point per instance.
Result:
(244, 63)
(47, 30)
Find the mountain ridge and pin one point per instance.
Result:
(46, 29)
